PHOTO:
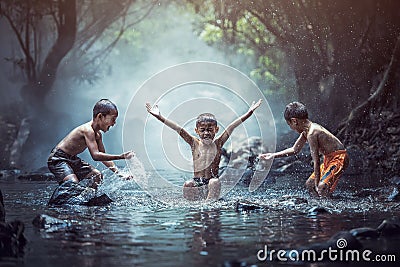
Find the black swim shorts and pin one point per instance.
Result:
(62, 164)
(200, 181)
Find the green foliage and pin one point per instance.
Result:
(250, 38)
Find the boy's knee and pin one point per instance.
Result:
(189, 184)
(71, 177)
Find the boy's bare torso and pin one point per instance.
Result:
(75, 143)
(324, 141)
(206, 158)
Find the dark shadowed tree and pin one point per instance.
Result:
(336, 51)
(49, 32)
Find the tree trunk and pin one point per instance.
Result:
(34, 93)
(359, 114)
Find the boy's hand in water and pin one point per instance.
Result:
(255, 105)
(266, 156)
(128, 155)
(153, 110)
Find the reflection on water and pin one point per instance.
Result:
(135, 230)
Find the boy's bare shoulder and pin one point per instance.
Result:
(316, 131)
(84, 129)
(218, 142)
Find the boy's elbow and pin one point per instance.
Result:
(96, 157)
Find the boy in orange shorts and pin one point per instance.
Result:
(325, 177)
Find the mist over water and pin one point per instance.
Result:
(128, 67)
(158, 45)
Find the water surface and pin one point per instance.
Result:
(136, 230)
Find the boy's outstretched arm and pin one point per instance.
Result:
(97, 151)
(109, 163)
(155, 111)
(288, 151)
(228, 130)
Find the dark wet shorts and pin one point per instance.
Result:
(200, 181)
(62, 164)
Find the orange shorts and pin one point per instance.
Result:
(332, 168)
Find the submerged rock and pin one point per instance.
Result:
(342, 240)
(365, 232)
(99, 200)
(389, 227)
(317, 210)
(71, 193)
(12, 239)
(245, 206)
(44, 221)
(337, 241)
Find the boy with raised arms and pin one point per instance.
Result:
(206, 150)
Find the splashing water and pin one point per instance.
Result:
(118, 186)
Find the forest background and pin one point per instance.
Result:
(339, 57)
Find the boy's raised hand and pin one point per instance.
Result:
(153, 110)
(255, 105)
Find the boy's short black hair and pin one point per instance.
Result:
(104, 106)
(295, 110)
(206, 117)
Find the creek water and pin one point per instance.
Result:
(136, 230)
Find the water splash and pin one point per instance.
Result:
(122, 184)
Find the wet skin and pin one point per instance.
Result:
(206, 150)
(88, 135)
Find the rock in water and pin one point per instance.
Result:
(44, 221)
(99, 201)
(71, 193)
(317, 210)
(344, 240)
(389, 227)
(245, 206)
(365, 232)
(12, 239)
(2, 210)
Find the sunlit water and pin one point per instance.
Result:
(135, 230)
